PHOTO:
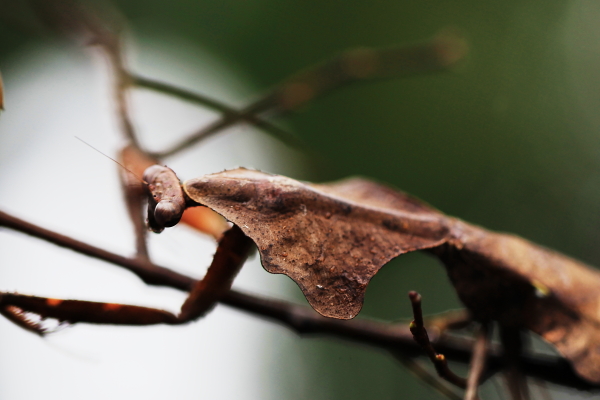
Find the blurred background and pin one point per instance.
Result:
(508, 139)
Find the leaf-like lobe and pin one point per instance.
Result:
(331, 239)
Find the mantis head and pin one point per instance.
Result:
(166, 200)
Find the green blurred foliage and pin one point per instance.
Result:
(503, 141)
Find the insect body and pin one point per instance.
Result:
(331, 239)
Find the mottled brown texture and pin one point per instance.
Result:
(166, 201)
(331, 239)
(136, 162)
(327, 242)
(520, 284)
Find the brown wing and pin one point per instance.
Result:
(331, 239)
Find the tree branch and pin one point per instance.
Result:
(351, 66)
(421, 337)
(420, 372)
(304, 321)
(210, 103)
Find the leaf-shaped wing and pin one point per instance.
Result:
(331, 239)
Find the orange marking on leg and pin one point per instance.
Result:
(53, 302)
(110, 306)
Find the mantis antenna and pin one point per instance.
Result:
(121, 165)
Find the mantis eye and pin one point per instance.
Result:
(167, 213)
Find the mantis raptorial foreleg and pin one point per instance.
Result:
(231, 254)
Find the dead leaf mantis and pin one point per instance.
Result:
(387, 235)
(332, 238)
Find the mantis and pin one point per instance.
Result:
(332, 238)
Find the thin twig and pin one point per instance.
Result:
(305, 322)
(148, 272)
(431, 380)
(111, 45)
(77, 21)
(121, 92)
(351, 66)
(420, 336)
(183, 94)
(1, 94)
(477, 361)
(208, 131)
(210, 103)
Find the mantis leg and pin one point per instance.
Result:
(231, 254)
(233, 250)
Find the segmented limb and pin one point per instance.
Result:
(231, 254)
(512, 343)
(478, 358)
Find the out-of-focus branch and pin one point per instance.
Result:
(1, 94)
(352, 66)
(395, 338)
(210, 103)
(431, 380)
(148, 272)
(73, 19)
(76, 21)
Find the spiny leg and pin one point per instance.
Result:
(19, 309)
(231, 254)
(478, 359)
(233, 250)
